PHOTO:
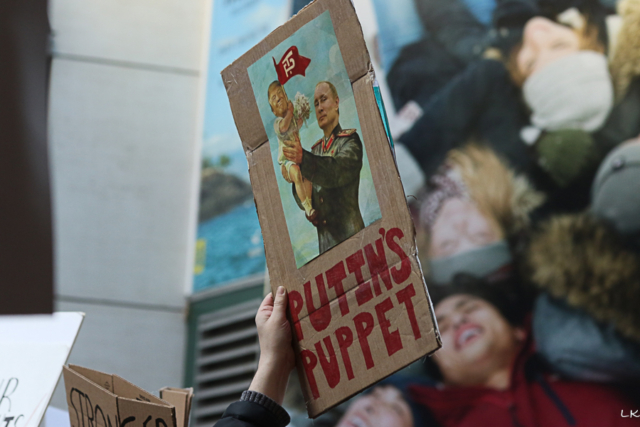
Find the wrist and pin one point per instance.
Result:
(275, 364)
(271, 378)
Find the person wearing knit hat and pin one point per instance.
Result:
(509, 20)
(473, 206)
(564, 75)
(615, 196)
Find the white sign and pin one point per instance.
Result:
(34, 349)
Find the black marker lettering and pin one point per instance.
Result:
(6, 394)
(127, 421)
(73, 405)
(89, 410)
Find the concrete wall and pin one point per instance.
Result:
(125, 83)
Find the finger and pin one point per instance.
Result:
(290, 154)
(265, 309)
(280, 304)
(267, 301)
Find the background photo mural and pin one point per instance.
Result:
(229, 242)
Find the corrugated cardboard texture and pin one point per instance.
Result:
(102, 400)
(360, 310)
(136, 413)
(100, 378)
(409, 333)
(124, 388)
(181, 399)
(80, 390)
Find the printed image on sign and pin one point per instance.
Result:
(306, 101)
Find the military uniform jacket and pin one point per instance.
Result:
(333, 166)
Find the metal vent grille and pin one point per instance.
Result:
(226, 359)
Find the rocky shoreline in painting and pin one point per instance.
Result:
(220, 192)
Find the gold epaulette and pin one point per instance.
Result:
(347, 132)
(316, 144)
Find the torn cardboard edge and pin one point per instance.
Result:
(97, 396)
(236, 78)
(181, 399)
(393, 204)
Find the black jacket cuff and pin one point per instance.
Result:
(278, 411)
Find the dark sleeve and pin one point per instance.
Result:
(452, 113)
(623, 122)
(579, 347)
(254, 410)
(334, 171)
(454, 26)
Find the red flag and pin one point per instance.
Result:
(291, 64)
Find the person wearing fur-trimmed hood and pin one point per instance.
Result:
(587, 323)
(475, 213)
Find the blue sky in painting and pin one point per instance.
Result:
(236, 27)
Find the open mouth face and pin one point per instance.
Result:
(462, 324)
(467, 335)
(476, 340)
(356, 421)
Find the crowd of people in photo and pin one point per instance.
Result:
(528, 227)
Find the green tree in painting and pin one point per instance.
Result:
(224, 161)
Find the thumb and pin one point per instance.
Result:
(280, 304)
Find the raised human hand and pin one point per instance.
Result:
(277, 358)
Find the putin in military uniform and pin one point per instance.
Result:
(333, 166)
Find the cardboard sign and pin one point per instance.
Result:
(96, 399)
(335, 223)
(34, 350)
(181, 399)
